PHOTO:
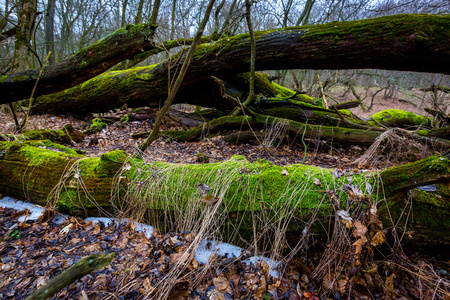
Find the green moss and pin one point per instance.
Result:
(242, 185)
(20, 78)
(398, 118)
(117, 35)
(97, 126)
(3, 78)
(125, 119)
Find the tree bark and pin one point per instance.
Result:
(24, 31)
(49, 31)
(400, 42)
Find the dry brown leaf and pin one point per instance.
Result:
(178, 257)
(327, 282)
(284, 172)
(194, 264)
(83, 295)
(346, 219)
(342, 283)
(41, 281)
(359, 244)
(378, 238)
(149, 288)
(264, 267)
(317, 181)
(66, 229)
(222, 284)
(92, 248)
(360, 229)
(96, 229)
(390, 283)
(210, 200)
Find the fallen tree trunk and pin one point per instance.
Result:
(400, 42)
(297, 130)
(33, 170)
(122, 44)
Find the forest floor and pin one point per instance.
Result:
(34, 251)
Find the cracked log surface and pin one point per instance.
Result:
(407, 42)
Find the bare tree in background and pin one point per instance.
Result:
(24, 33)
(49, 31)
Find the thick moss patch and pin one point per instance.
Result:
(398, 118)
(51, 174)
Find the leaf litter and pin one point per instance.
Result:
(33, 254)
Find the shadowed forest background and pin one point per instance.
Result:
(303, 145)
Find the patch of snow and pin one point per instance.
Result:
(428, 188)
(104, 220)
(59, 219)
(35, 211)
(140, 227)
(273, 264)
(146, 229)
(208, 248)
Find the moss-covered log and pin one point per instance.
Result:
(399, 118)
(42, 171)
(122, 44)
(34, 170)
(294, 129)
(401, 42)
(66, 135)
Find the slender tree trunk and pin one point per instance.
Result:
(49, 31)
(226, 23)
(124, 13)
(251, 93)
(304, 17)
(216, 16)
(155, 11)
(138, 17)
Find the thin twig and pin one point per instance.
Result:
(30, 102)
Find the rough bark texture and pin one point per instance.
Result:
(87, 63)
(29, 170)
(400, 42)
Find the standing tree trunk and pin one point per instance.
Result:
(24, 31)
(304, 17)
(124, 13)
(49, 31)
